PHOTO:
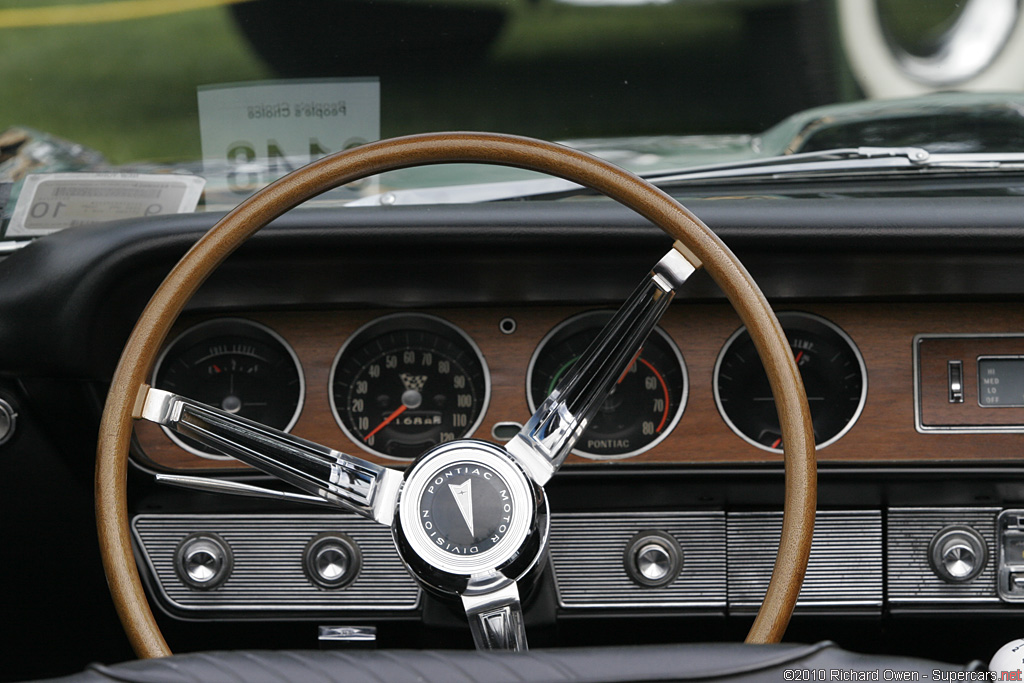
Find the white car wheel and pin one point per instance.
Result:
(983, 49)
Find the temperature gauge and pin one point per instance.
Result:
(832, 370)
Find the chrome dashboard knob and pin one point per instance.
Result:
(203, 561)
(653, 558)
(959, 560)
(653, 562)
(8, 421)
(331, 560)
(957, 554)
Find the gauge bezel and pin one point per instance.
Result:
(389, 323)
(782, 316)
(240, 323)
(580, 318)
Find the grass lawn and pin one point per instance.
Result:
(127, 88)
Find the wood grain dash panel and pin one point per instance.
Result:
(884, 333)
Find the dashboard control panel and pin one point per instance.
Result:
(309, 566)
(969, 383)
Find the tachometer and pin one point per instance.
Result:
(646, 403)
(407, 382)
(830, 364)
(236, 365)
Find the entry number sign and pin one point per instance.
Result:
(254, 133)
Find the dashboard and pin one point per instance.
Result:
(686, 381)
(359, 324)
(881, 390)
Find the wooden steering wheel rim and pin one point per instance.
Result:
(150, 332)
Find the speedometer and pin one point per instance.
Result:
(407, 382)
(833, 373)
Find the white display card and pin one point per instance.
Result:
(253, 133)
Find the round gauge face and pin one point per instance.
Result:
(645, 404)
(238, 366)
(833, 373)
(408, 382)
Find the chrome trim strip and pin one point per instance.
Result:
(946, 601)
(11, 246)
(347, 634)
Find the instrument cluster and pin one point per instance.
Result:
(401, 383)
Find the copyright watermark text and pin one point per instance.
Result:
(820, 675)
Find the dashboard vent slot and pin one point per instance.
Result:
(844, 570)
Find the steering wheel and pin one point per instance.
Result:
(487, 573)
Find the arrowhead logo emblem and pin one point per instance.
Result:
(463, 494)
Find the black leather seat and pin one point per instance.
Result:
(689, 662)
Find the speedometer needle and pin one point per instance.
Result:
(386, 422)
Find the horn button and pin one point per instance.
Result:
(467, 509)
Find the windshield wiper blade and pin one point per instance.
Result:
(829, 160)
(843, 161)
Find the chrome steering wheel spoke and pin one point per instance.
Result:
(495, 613)
(335, 477)
(542, 445)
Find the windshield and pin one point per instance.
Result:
(138, 85)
